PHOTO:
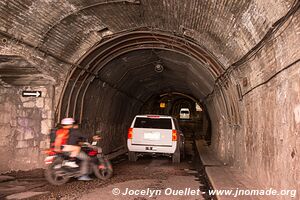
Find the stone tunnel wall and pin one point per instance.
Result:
(24, 127)
(109, 112)
(260, 133)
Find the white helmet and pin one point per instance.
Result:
(67, 121)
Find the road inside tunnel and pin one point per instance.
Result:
(157, 175)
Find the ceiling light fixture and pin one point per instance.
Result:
(158, 68)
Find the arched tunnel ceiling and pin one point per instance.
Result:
(127, 63)
(135, 73)
(67, 29)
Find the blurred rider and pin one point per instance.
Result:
(67, 140)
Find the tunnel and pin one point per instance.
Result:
(104, 62)
(117, 77)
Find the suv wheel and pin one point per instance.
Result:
(132, 156)
(176, 156)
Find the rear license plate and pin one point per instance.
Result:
(152, 136)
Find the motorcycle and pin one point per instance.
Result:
(58, 172)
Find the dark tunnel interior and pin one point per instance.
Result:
(117, 80)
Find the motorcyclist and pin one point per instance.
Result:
(67, 139)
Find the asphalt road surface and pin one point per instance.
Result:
(148, 178)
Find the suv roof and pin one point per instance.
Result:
(185, 109)
(154, 116)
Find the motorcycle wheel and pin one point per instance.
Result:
(55, 173)
(106, 172)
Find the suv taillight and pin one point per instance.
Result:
(130, 131)
(174, 135)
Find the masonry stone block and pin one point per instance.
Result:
(47, 114)
(44, 144)
(45, 126)
(48, 104)
(5, 133)
(27, 162)
(29, 104)
(23, 99)
(21, 113)
(5, 117)
(5, 130)
(22, 121)
(22, 144)
(28, 134)
(20, 135)
(13, 122)
(40, 102)
(5, 107)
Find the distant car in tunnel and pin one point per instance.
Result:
(155, 134)
(184, 113)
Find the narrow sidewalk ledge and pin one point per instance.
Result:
(224, 177)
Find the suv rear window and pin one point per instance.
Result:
(184, 112)
(159, 123)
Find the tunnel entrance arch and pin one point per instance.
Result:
(116, 77)
(93, 63)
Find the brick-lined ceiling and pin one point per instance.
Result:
(67, 29)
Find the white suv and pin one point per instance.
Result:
(155, 134)
(184, 113)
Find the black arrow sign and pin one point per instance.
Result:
(31, 94)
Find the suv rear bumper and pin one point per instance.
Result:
(151, 148)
